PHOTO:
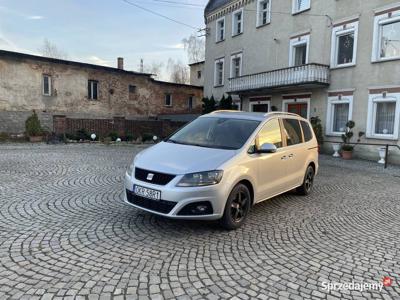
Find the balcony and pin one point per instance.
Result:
(306, 75)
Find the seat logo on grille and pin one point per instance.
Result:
(150, 176)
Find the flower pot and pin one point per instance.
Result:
(347, 155)
(36, 139)
(336, 148)
(382, 155)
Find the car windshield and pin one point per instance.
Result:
(222, 133)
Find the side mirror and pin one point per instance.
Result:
(267, 148)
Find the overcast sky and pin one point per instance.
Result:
(98, 31)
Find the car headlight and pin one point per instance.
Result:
(130, 169)
(201, 178)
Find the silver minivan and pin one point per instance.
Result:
(221, 164)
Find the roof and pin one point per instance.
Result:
(214, 4)
(18, 55)
(178, 84)
(248, 115)
(197, 63)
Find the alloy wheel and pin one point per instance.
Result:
(239, 206)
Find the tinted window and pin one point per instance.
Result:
(306, 131)
(270, 133)
(293, 131)
(211, 132)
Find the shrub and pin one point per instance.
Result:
(32, 125)
(129, 137)
(209, 105)
(113, 135)
(4, 137)
(318, 129)
(348, 135)
(82, 134)
(147, 137)
(225, 103)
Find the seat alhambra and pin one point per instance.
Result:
(221, 164)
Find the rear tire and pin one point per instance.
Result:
(237, 207)
(308, 182)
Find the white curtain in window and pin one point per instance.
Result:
(385, 116)
(340, 116)
(302, 4)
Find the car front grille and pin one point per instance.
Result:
(158, 178)
(161, 206)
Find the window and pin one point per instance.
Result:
(237, 22)
(344, 45)
(293, 132)
(260, 104)
(383, 116)
(190, 103)
(386, 37)
(132, 88)
(271, 134)
(46, 85)
(299, 48)
(301, 5)
(338, 114)
(236, 65)
(168, 100)
(263, 12)
(93, 89)
(220, 30)
(307, 131)
(198, 74)
(219, 72)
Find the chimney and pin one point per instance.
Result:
(120, 63)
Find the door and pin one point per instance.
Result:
(298, 108)
(271, 167)
(296, 151)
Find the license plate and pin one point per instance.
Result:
(146, 192)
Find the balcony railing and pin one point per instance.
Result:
(300, 75)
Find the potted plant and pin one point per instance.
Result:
(347, 147)
(318, 130)
(33, 128)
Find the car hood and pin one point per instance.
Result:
(181, 159)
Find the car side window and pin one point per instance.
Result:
(293, 132)
(306, 131)
(270, 133)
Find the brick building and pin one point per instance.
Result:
(84, 91)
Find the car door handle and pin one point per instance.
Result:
(284, 157)
(291, 155)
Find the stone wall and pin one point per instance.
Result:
(13, 122)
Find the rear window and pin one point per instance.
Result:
(306, 131)
(293, 132)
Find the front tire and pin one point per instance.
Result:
(308, 182)
(237, 207)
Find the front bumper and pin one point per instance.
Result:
(178, 198)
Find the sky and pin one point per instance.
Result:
(99, 31)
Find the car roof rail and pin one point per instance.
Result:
(281, 113)
(224, 110)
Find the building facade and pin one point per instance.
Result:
(338, 60)
(197, 73)
(78, 90)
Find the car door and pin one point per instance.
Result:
(271, 167)
(296, 152)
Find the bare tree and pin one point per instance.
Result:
(49, 49)
(178, 71)
(195, 48)
(155, 67)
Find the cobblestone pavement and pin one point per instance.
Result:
(65, 232)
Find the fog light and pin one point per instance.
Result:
(196, 209)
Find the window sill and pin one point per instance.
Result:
(237, 34)
(294, 13)
(218, 85)
(220, 41)
(168, 106)
(335, 134)
(382, 137)
(382, 60)
(263, 25)
(344, 66)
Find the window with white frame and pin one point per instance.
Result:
(219, 72)
(46, 88)
(93, 89)
(386, 37)
(220, 34)
(300, 5)
(299, 48)
(339, 113)
(237, 22)
(263, 12)
(236, 65)
(344, 45)
(168, 100)
(383, 116)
